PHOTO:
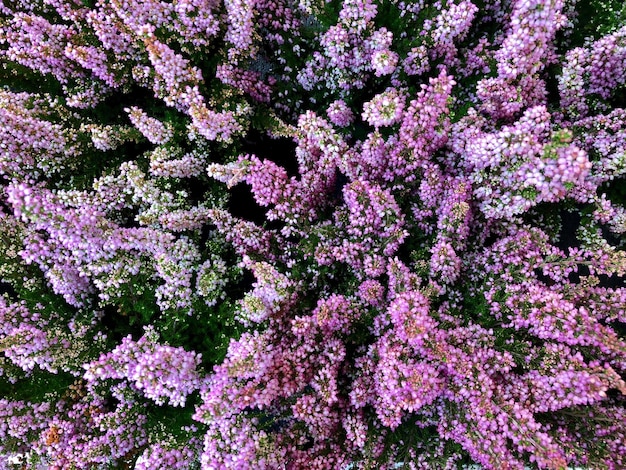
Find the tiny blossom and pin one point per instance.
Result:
(335, 313)
(113, 36)
(380, 40)
(231, 174)
(175, 265)
(521, 51)
(185, 219)
(357, 13)
(545, 170)
(196, 21)
(347, 49)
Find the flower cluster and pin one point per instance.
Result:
(159, 372)
(384, 109)
(152, 129)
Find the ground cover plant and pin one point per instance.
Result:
(279, 234)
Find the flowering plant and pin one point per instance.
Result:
(302, 234)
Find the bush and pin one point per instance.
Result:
(342, 234)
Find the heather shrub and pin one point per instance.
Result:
(344, 234)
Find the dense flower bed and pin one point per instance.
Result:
(279, 234)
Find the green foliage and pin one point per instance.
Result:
(596, 18)
(423, 441)
(38, 387)
(136, 301)
(615, 190)
(207, 331)
(18, 78)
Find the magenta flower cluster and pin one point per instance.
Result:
(302, 234)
